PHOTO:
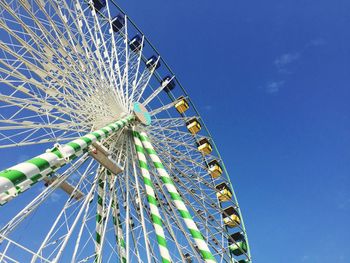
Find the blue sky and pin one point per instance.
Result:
(271, 79)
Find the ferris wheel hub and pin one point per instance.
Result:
(142, 114)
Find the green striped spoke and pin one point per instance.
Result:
(153, 204)
(176, 198)
(21, 177)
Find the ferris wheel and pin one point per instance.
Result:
(124, 168)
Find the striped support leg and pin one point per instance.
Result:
(101, 188)
(176, 198)
(118, 229)
(155, 215)
(22, 176)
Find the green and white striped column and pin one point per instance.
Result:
(22, 176)
(100, 214)
(176, 198)
(117, 224)
(118, 229)
(153, 204)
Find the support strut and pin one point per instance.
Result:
(22, 176)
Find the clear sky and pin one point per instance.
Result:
(272, 80)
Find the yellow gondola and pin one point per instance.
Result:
(193, 126)
(204, 146)
(182, 105)
(231, 217)
(224, 193)
(214, 168)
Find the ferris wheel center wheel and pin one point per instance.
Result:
(142, 114)
(128, 170)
